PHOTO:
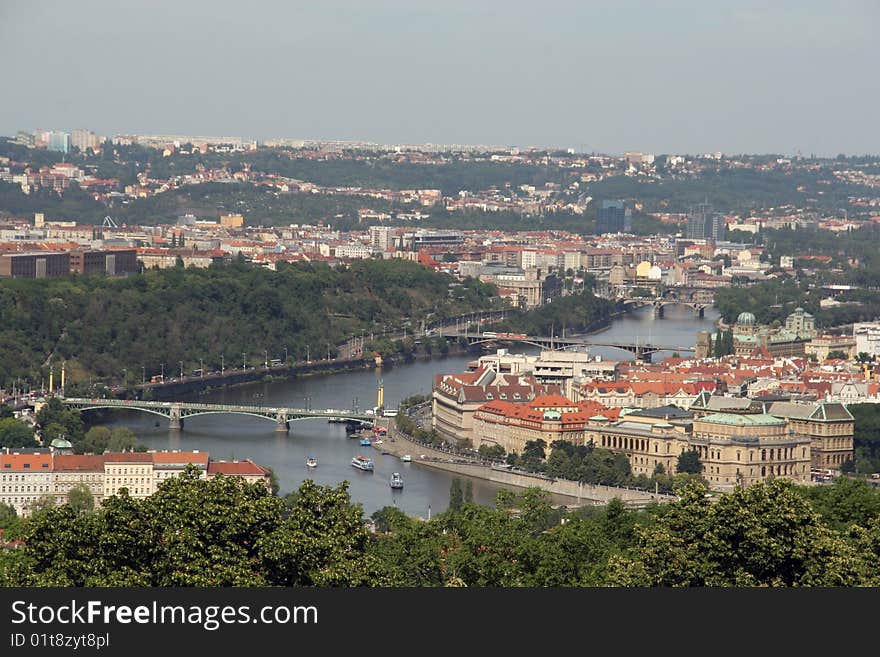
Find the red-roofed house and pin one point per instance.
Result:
(73, 469)
(25, 476)
(457, 396)
(548, 418)
(247, 470)
(644, 394)
(131, 470)
(171, 464)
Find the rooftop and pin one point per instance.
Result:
(664, 412)
(756, 420)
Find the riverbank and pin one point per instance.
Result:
(575, 493)
(173, 389)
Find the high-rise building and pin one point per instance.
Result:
(380, 237)
(613, 217)
(59, 141)
(84, 139)
(704, 223)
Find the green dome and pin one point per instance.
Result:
(746, 319)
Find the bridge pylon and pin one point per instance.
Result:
(282, 424)
(175, 421)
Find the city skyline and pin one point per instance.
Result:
(685, 78)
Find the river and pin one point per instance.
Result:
(425, 490)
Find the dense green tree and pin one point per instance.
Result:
(101, 325)
(456, 495)
(491, 452)
(8, 516)
(80, 499)
(95, 440)
(196, 532)
(322, 542)
(845, 502)
(582, 311)
(389, 518)
(689, 462)
(764, 535)
(274, 484)
(56, 421)
(15, 433)
(866, 437)
(99, 439)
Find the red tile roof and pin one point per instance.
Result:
(236, 468)
(79, 462)
(128, 457)
(17, 462)
(180, 457)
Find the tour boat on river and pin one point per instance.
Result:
(362, 463)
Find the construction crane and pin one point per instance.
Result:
(109, 223)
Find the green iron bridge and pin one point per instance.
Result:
(177, 412)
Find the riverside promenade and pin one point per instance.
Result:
(397, 443)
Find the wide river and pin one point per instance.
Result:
(425, 490)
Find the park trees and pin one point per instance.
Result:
(765, 535)
(15, 433)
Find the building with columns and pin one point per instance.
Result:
(735, 449)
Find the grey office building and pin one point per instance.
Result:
(704, 223)
(613, 217)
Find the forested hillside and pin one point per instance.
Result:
(101, 325)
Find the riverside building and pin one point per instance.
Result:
(27, 475)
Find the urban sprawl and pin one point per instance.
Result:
(756, 399)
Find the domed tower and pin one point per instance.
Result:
(745, 324)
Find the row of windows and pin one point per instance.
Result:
(23, 477)
(23, 489)
(783, 453)
(838, 443)
(837, 459)
(625, 442)
(823, 429)
(131, 491)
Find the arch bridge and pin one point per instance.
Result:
(177, 412)
(640, 350)
(696, 298)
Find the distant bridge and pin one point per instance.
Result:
(695, 298)
(640, 350)
(177, 412)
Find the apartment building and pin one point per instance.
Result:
(27, 475)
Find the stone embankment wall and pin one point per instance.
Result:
(399, 443)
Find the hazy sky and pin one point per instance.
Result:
(614, 75)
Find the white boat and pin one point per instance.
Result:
(406, 458)
(312, 462)
(362, 463)
(396, 480)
